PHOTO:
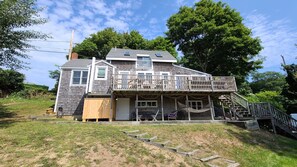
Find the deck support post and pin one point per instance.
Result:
(272, 119)
(136, 106)
(111, 107)
(211, 107)
(187, 105)
(223, 108)
(175, 103)
(162, 108)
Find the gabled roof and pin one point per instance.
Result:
(131, 55)
(77, 63)
(82, 63)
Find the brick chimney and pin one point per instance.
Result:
(74, 56)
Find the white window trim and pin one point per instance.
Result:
(162, 72)
(196, 101)
(140, 55)
(145, 72)
(71, 78)
(146, 104)
(96, 73)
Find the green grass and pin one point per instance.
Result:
(24, 142)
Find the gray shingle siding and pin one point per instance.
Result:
(70, 97)
(103, 86)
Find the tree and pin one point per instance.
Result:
(267, 81)
(11, 81)
(290, 91)
(160, 43)
(55, 74)
(99, 44)
(16, 16)
(213, 39)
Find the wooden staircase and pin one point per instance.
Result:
(243, 110)
(238, 106)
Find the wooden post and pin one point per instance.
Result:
(187, 105)
(111, 107)
(70, 46)
(272, 118)
(163, 84)
(136, 106)
(162, 109)
(211, 107)
(175, 103)
(223, 110)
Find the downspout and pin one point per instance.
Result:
(92, 74)
(58, 91)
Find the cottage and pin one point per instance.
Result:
(139, 85)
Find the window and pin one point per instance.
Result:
(195, 104)
(145, 76)
(147, 104)
(101, 73)
(79, 77)
(144, 62)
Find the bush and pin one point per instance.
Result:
(32, 90)
(272, 97)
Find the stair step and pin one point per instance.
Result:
(209, 158)
(131, 131)
(234, 165)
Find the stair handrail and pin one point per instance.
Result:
(282, 118)
(240, 100)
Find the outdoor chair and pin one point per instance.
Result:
(155, 116)
(172, 115)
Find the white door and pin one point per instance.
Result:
(123, 109)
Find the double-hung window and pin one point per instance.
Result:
(101, 73)
(79, 77)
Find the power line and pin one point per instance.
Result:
(47, 40)
(49, 51)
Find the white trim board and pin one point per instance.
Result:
(58, 91)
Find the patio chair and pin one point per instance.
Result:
(155, 116)
(172, 115)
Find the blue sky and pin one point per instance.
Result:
(273, 21)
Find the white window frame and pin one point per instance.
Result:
(143, 55)
(146, 101)
(161, 73)
(80, 80)
(196, 101)
(96, 73)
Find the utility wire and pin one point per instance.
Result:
(47, 40)
(49, 51)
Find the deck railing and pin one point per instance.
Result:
(126, 82)
(266, 110)
(242, 101)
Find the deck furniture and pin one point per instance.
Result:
(155, 116)
(172, 115)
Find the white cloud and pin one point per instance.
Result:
(117, 24)
(277, 37)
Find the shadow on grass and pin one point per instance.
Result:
(278, 144)
(6, 117)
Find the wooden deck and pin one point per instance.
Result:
(174, 83)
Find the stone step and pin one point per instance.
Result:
(131, 131)
(149, 139)
(209, 158)
(174, 148)
(188, 153)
